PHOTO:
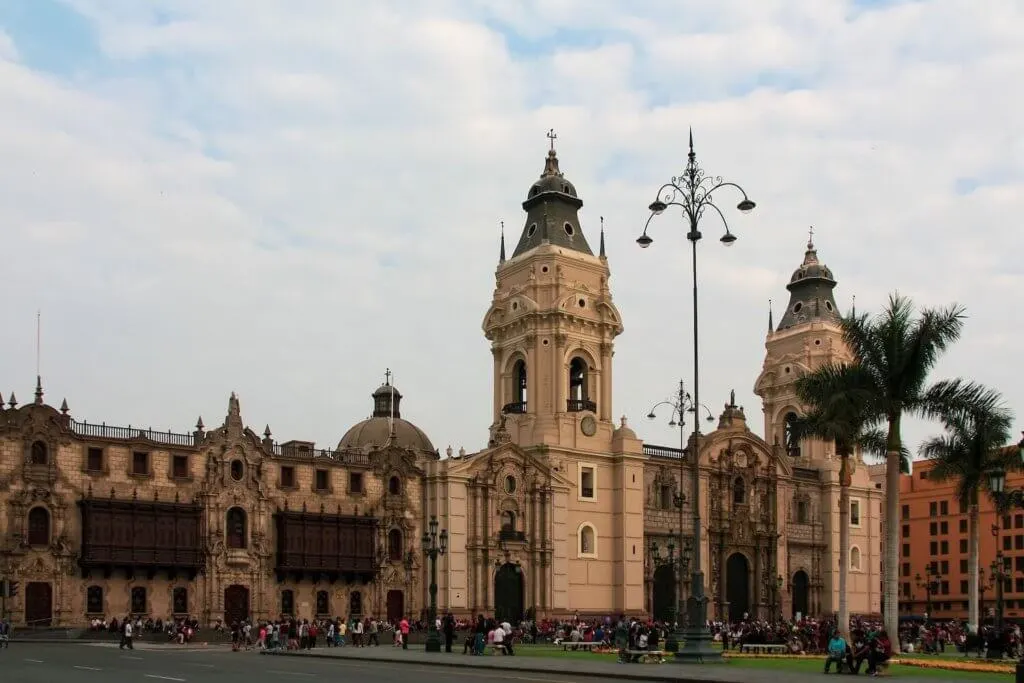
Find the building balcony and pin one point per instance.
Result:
(518, 408)
(574, 405)
(512, 536)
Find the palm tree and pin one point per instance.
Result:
(893, 354)
(834, 415)
(968, 452)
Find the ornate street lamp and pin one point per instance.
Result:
(681, 404)
(434, 544)
(930, 584)
(694, 192)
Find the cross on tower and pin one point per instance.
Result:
(810, 237)
(552, 136)
(387, 376)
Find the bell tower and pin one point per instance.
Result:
(552, 324)
(808, 336)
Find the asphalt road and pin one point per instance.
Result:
(79, 663)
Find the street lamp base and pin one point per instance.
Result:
(433, 641)
(698, 648)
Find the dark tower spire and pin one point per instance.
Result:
(39, 390)
(810, 291)
(601, 253)
(771, 324)
(501, 254)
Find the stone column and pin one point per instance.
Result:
(604, 407)
(487, 603)
(500, 383)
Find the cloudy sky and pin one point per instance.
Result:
(283, 198)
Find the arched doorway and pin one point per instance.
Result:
(236, 604)
(396, 606)
(38, 604)
(508, 593)
(737, 586)
(801, 593)
(664, 593)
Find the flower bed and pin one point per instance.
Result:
(970, 666)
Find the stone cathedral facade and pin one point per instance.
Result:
(565, 511)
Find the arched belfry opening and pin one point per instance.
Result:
(517, 398)
(579, 392)
(789, 435)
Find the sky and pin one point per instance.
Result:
(283, 198)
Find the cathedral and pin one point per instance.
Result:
(566, 511)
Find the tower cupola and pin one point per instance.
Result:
(810, 291)
(552, 210)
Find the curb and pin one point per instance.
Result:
(80, 641)
(619, 674)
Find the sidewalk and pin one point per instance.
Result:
(669, 672)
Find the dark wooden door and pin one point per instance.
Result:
(38, 604)
(396, 606)
(737, 586)
(236, 604)
(801, 593)
(508, 594)
(664, 597)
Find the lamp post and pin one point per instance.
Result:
(1004, 500)
(434, 544)
(680, 404)
(693, 193)
(778, 597)
(930, 584)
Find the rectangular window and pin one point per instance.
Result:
(1018, 521)
(1019, 587)
(944, 528)
(355, 482)
(944, 548)
(322, 480)
(140, 463)
(1018, 542)
(933, 548)
(906, 590)
(179, 467)
(94, 459)
(1006, 521)
(963, 586)
(963, 526)
(963, 566)
(1007, 543)
(944, 507)
(944, 567)
(923, 475)
(945, 588)
(906, 531)
(906, 569)
(906, 550)
(854, 513)
(287, 477)
(1019, 563)
(905, 512)
(933, 528)
(963, 506)
(933, 508)
(963, 545)
(934, 566)
(587, 482)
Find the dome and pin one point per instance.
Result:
(811, 268)
(386, 423)
(551, 180)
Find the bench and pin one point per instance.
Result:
(582, 645)
(642, 656)
(764, 649)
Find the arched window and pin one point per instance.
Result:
(179, 600)
(40, 454)
(287, 603)
(355, 604)
(587, 541)
(94, 600)
(508, 521)
(323, 603)
(802, 511)
(519, 383)
(578, 379)
(395, 486)
(395, 545)
(855, 558)
(739, 491)
(236, 528)
(666, 496)
(139, 601)
(39, 526)
(791, 442)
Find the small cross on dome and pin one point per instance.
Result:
(552, 136)
(387, 376)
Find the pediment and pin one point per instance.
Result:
(489, 464)
(742, 450)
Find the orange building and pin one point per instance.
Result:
(934, 541)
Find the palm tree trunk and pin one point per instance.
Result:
(892, 527)
(972, 566)
(844, 550)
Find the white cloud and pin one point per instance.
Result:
(286, 198)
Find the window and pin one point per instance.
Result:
(395, 545)
(963, 545)
(855, 558)
(39, 526)
(906, 550)
(508, 521)
(905, 512)
(944, 528)
(94, 459)
(179, 467)
(963, 566)
(944, 587)
(587, 541)
(963, 526)
(94, 601)
(577, 383)
(40, 454)
(1007, 543)
(236, 528)
(395, 486)
(789, 435)
(355, 482)
(1018, 585)
(906, 569)
(963, 586)
(944, 507)
(906, 531)
(1018, 542)
(587, 482)
(139, 601)
(179, 601)
(519, 386)
(140, 464)
(287, 603)
(933, 548)
(1018, 521)
(944, 548)
(666, 497)
(237, 469)
(739, 491)
(854, 513)
(944, 567)
(322, 480)
(933, 508)
(355, 604)
(1006, 522)
(323, 603)
(963, 506)
(801, 512)
(287, 482)
(933, 528)
(906, 590)
(923, 475)
(1018, 563)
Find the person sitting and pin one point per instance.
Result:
(859, 653)
(836, 653)
(879, 653)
